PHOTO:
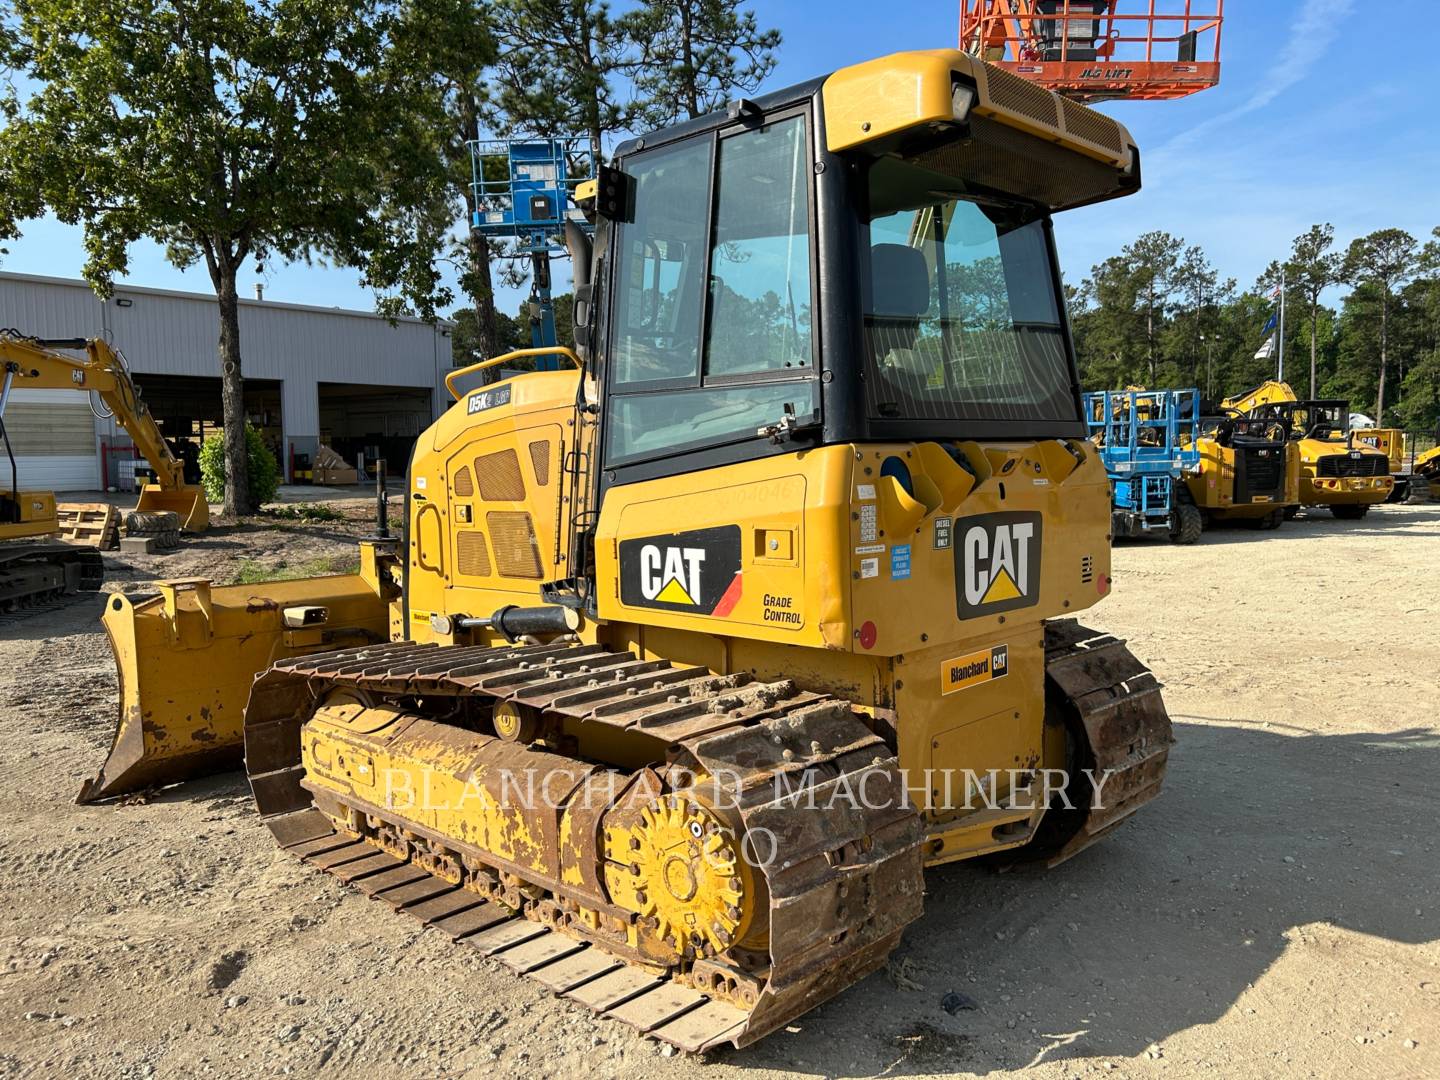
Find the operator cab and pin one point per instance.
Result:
(1328, 421)
(794, 276)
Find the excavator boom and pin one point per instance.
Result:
(37, 364)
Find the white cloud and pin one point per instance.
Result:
(1310, 38)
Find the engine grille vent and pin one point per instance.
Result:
(1345, 465)
(499, 477)
(1021, 96)
(1090, 125)
(472, 554)
(1264, 469)
(1087, 569)
(517, 554)
(464, 486)
(540, 458)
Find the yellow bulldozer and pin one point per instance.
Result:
(696, 653)
(36, 571)
(1336, 471)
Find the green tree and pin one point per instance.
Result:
(694, 55)
(1201, 290)
(1311, 269)
(1109, 333)
(226, 131)
(1154, 261)
(1383, 260)
(559, 60)
(263, 471)
(468, 345)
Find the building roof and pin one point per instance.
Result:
(122, 288)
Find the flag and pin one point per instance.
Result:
(1266, 351)
(1274, 320)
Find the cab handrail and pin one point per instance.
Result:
(514, 354)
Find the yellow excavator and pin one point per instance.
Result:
(38, 571)
(1336, 471)
(696, 653)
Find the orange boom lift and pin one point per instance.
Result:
(1094, 50)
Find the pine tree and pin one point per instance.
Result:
(695, 55)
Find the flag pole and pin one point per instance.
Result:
(1280, 342)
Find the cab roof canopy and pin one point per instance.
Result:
(971, 123)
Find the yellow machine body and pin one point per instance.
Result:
(1389, 441)
(1218, 487)
(809, 598)
(1325, 461)
(34, 515)
(845, 636)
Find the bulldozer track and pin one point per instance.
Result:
(1116, 700)
(27, 582)
(849, 876)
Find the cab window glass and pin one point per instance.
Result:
(760, 254)
(647, 425)
(660, 268)
(739, 266)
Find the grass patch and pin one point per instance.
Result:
(254, 572)
(308, 512)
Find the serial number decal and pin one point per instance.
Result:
(975, 668)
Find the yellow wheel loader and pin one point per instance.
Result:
(35, 572)
(1249, 471)
(702, 649)
(1336, 471)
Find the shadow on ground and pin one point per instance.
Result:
(1311, 525)
(1160, 927)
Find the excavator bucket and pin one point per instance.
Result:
(186, 659)
(188, 502)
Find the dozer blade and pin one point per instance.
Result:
(188, 502)
(187, 657)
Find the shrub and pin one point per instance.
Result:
(264, 472)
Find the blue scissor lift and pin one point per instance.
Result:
(1147, 440)
(525, 191)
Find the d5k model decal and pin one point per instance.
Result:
(696, 571)
(997, 563)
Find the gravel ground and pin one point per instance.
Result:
(1277, 912)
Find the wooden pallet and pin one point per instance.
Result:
(92, 524)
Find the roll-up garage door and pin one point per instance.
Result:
(52, 433)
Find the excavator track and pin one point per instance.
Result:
(36, 576)
(1121, 730)
(846, 881)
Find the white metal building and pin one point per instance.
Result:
(350, 379)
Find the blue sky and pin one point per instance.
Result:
(1323, 113)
